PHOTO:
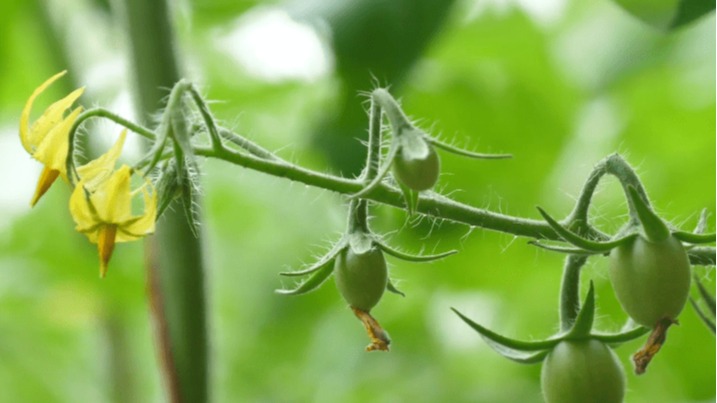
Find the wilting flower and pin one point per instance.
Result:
(47, 138)
(102, 209)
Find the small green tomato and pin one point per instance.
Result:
(361, 277)
(417, 171)
(585, 371)
(651, 279)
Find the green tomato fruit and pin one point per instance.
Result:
(585, 371)
(667, 14)
(417, 173)
(361, 277)
(651, 279)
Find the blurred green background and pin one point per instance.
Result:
(559, 84)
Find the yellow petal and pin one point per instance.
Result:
(112, 199)
(82, 213)
(47, 177)
(144, 224)
(52, 149)
(51, 117)
(25, 116)
(99, 170)
(105, 246)
(32, 136)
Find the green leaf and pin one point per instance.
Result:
(313, 282)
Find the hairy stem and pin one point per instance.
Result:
(174, 256)
(570, 291)
(430, 204)
(614, 165)
(373, 158)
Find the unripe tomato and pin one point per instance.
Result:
(584, 371)
(651, 279)
(361, 277)
(417, 173)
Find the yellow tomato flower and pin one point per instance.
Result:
(47, 139)
(103, 211)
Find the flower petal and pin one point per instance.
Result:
(25, 116)
(82, 212)
(47, 178)
(99, 170)
(144, 224)
(113, 200)
(52, 149)
(105, 246)
(31, 136)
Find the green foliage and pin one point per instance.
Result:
(559, 96)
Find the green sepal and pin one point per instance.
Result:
(413, 144)
(654, 228)
(361, 242)
(706, 296)
(563, 249)
(166, 186)
(392, 288)
(313, 282)
(179, 130)
(577, 240)
(706, 320)
(694, 238)
(383, 170)
(328, 258)
(520, 357)
(410, 196)
(507, 344)
(414, 258)
(615, 339)
(466, 153)
(584, 321)
(187, 184)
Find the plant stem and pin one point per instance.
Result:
(433, 205)
(174, 256)
(373, 159)
(430, 204)
(570, 291)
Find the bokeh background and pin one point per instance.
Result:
(558, 83)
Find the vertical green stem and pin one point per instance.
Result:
(373, 160)
(570, 291)
(173, 254)
(358, 216)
